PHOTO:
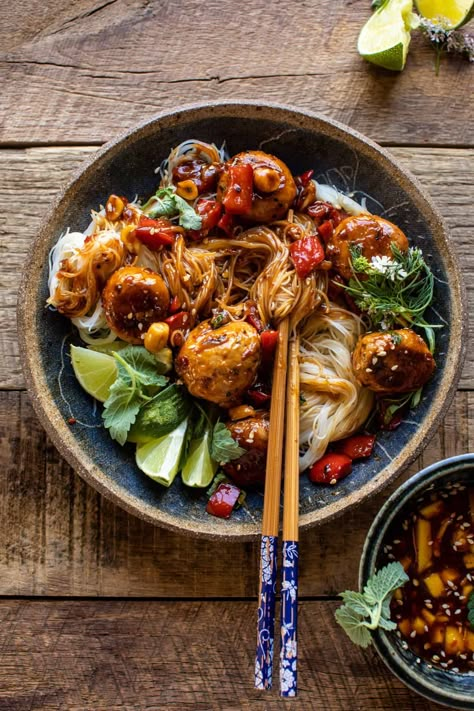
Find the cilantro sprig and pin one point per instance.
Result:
(167, 203)
(393, 291)
(366, 611)
(139, 379)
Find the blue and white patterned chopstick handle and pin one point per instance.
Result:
(266, 612)
(289, 619)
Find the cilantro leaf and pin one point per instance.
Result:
(353, 625)
(363, 612)
(470, 609)
(121, 409)
(136, 363)
(224, 448)
(166, 203)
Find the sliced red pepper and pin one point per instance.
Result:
(330, 468)
(226, 223)
(258, 398)
(304, 178)
(174, 305)
(210, 212)
(223, 500)
(268, 342)
(320, 210)
(306, 253)
(326, 230)
(252, 316)
(177, 322)
(238, 197)
(154, 233)
(356, 447)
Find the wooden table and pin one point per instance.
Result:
(100, 610)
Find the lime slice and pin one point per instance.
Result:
(385, 37)
(95, 371)
(159, 459)
(447, 13)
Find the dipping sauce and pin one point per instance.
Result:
(434, 541)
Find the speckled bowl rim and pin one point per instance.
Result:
(412, 677)
(60, 432)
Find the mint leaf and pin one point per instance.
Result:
(353, 625)
(362, 612)
(224, 448)
(357, 602)
(166, 203)
(121, 409)
(384, 582)
(137, 364)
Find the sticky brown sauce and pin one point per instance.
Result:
(434, 541)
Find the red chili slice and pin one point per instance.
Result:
(330, 468)
(325, 230)
(258, 398)
(306, 253)
(223, 500)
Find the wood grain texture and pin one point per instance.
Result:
(137, 655)
(59, 537)
(31, 177)
(82, 71)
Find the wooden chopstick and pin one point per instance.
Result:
(289, 586)
(271, 515)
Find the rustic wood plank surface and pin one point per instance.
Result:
(73, 75)
(31, 177)
(81, 71)
(196, 656)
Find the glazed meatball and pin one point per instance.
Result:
(392, 361)
(274, 187)
(372, 234)
(219, 364)
(252, 435)
(133, 299)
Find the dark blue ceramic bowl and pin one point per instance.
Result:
(444, 687)
(126, 166)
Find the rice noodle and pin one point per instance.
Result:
(335, 405)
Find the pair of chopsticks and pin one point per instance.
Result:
(285, 391)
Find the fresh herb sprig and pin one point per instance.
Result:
(139, 379)
(395, 291)
(167, 203)
(363, 612)
(447, 41)
(470, 609)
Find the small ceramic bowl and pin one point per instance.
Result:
(126, 166)
(444, 687)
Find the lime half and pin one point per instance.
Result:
(447, 13)
(385, 37)
(95, 371)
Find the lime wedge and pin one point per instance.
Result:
(199, 468)
(95, 371)
(447, 13)
(385, 37)
(159, 459)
